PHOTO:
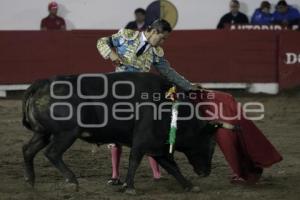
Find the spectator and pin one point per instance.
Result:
(262, 15)
(286, 15)
(234, 16)
(140, 20)
(53, 21)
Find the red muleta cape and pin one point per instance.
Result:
(246, 150)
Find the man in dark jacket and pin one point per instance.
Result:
(140, 21)
(234, 16)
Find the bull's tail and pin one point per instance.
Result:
(27, 103)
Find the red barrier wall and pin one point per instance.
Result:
(289, 59)
(223, 56)
(201, 56)
(29, 55)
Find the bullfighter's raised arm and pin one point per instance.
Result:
(163, 67)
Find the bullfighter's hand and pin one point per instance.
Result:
(114, 57)
(196, 87)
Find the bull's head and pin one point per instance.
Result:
(201, 149)
(200, 156)
(201, 161)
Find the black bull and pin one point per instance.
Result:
(64, 108)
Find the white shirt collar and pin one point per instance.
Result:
(143, 38)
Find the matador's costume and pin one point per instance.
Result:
(127, 43)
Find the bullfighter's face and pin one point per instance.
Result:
(156, 38)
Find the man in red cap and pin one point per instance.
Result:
(52, 21)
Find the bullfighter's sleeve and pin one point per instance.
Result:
(105, 44)
(164, 68)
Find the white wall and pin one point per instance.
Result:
(113, 14)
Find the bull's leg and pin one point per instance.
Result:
(172, 168)
(54, 152)
(135, 158)
(36, 143)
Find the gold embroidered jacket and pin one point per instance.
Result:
(126, 43)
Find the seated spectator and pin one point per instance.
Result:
(140, 20)
(286, 15)
(234, 16)
(53, 21)
(262, 15)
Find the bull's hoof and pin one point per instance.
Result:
(126, 190)
(71, 187)
(130, 191)
(204, 174)
(29, 181)
(194, 189)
